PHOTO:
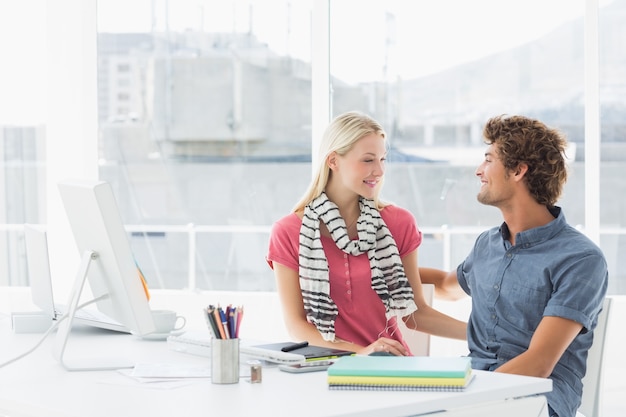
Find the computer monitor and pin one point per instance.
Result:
(107, 264)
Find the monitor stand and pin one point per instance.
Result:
(65, 328)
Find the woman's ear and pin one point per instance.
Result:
(331, 161)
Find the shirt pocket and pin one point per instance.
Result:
(525, 298)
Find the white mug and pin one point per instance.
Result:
(166, 321)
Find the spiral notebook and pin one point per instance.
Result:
(391, 385)
(400, 373)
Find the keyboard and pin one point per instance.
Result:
(199, 343)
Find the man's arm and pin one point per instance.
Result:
(446, 285)
(549, 342)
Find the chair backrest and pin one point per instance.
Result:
(419, 342)
(592, 382)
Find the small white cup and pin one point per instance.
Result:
(166, 321)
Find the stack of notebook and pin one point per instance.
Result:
(401, 373)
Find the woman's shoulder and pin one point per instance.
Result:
(288, 222)
(393, 213)
(403, 228)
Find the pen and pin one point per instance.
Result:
(210, 319)
(295, 346)
(239, 317)
(231, 322)
(218, 323)
(224, 322)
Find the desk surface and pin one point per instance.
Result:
(38, 385)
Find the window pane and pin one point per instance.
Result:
(205, 120)
(612, 33)
(433, 78)
(22, 131)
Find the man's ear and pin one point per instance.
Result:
(521, 170)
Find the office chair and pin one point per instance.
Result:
(592, 382)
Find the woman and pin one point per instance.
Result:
(346, 263)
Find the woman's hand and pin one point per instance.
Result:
(385, 345)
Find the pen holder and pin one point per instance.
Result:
(225, 361)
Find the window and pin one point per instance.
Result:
(612, 75)
(434, 72)
(204, 118)
(22, 131)
(221, 97)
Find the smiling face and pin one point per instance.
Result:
(362, 168)
(495, 188)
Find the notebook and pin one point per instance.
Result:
(38, 262)
(400, 373)
(396, 387)
(310, 352)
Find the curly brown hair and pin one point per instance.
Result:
(520, 139)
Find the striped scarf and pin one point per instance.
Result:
(388, 278)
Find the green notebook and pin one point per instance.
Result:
(402, 366)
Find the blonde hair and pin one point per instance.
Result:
(340, 136)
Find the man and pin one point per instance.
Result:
(537, 284)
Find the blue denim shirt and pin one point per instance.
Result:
(553, 270)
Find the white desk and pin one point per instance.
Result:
(39, 386)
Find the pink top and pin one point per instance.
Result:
(361, 313)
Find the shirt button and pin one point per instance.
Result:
(348, 292)
(493, 316)
(348, 282)
(495, 287)
(345, 256)
(346, 264)
(347, 272)
(508, 255)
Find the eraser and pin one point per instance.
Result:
(30, 322)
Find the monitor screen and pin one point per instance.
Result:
(107, 259)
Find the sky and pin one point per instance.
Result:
(372, 40)
(418, 38)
